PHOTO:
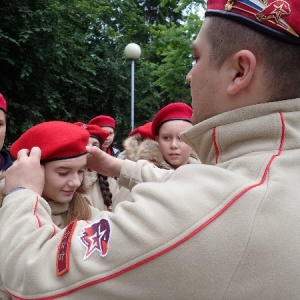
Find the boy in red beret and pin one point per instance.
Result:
(224, 229)
(107, 123)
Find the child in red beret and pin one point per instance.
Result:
(101, 189)
(138, 137)
(64, 157)
(135, 138)
(107, 123)
(167, 124)
(97, 134)
(158, 142)
(5, 158)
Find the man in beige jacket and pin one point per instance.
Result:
(224, 229)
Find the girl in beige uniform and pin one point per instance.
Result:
(5, 158)
(101, 189)
(64, 158)
(5, 163)
(159, 143)
(109, 124)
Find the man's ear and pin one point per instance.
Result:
(244, 63)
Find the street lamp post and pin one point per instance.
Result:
(133, 52)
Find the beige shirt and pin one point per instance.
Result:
(224, 229)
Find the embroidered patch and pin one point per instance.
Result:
(63, 251)
(95, 237)
(275, 10)
(265, 11)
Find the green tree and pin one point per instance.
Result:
(64, 59)
(173, 45)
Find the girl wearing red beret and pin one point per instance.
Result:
(158, 142)
(167, 124)
(107, 123)
(101, 189)
(5, 161)
(64, 158)
(5, 158)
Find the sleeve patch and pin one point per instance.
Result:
(95, 237)
(63, 251)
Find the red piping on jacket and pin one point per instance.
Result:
(38, 218)
(188, 236)
(214, 137)
(34, 211)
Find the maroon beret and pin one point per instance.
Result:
(56, 139)
(95, 131)
(280, 18)
(3, 104)
(103, 120)
(145, 131)
(173, 111)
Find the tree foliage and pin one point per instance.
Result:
(64, 59)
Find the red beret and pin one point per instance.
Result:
(95, 131)
(103, 120)
(280, 18)
(3, 104)
(173, 111)
(144, 130)
(56, 139)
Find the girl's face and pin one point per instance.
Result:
(174, 150)
(93, 142)
(109, 139)
(63, 177)
(2, 128)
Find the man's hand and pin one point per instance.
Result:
(26, 172)
(103, 163)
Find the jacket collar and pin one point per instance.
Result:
(246, 130)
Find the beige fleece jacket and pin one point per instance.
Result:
(224, 229)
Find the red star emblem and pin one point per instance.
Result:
(95, 237)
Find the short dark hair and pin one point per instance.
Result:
(281, 59)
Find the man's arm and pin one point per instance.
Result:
(129, 172)
(103, 163)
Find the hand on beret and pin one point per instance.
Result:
(27, 163)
